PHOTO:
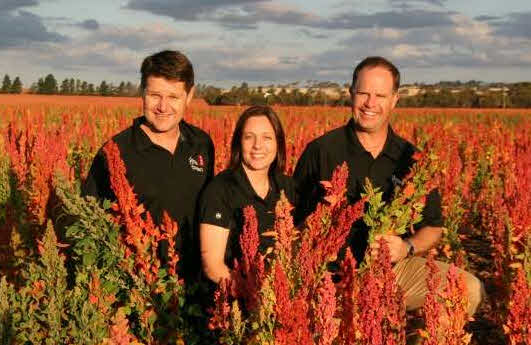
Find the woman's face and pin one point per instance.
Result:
(259, 143)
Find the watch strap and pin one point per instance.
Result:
(410, 248)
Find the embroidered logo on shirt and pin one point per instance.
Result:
(218, 215)
(396, 181)
(197, 163)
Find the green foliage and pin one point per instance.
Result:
(404, 210)
(72, 293)
(6, 323)
(158, 311)
(43, 310)
(16, 87)
(6, 84)
(5, 189)
(394, 217)
(93, 238)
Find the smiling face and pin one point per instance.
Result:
(373, 99)
(259, 144)
(165, 102)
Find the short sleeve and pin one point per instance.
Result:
(214, 206)
(432, 213)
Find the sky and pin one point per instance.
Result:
(266, 42)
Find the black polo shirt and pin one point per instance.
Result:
(224, 199)
(162, 180)
(325, 153)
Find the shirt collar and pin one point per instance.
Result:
(243, 181)
(392, 146)
(141, 140)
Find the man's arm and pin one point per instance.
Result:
(97, 182)
(428, 234)
(422, 241)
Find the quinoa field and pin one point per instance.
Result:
(75, 271)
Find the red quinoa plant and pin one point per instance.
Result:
(287, 296)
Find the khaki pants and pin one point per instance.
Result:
(411, 276)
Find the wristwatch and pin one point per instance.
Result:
(410, 248)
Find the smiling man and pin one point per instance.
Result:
(168, 161)
(373, 150)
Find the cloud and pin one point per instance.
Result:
(486, 18)
(246, 15)
(438, 3)
(390, 19)
(10, 5)
(417, 36)
(24, 28)
(231, 14)
(183, 9)
(467, 43)
(247, 64)
(515, 25)
(89, 24)
(268, 12)
(111, 52)
(73, 59)
(150, 36)
(313, 34)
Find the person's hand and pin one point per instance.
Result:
(397, 247)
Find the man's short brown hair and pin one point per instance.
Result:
(377, 61)
(169, 64)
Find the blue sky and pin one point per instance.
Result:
(267, 41)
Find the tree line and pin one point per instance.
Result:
(515, 95)
(48, 85)
(244, 95)
(11, 87)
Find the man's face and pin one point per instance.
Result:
(165, 102)
(373, 99)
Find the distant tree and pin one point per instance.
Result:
(40, 86)
(84, 88)
(64, 89)
(257, 98)
(71, 86)
(520, 96)
(210, 94)
(491, 100)
(34, 88)
(49, 86)
(120, 90)
(6, 84)
(16, 87)
(77, 90)
(104, 89)
(467, 99)
(90, 89)
(131, 90)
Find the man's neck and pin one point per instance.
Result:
(373, 142)
(167, 140)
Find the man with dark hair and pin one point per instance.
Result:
(372, 150)
(168, 161)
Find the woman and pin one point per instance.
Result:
(254, 177)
